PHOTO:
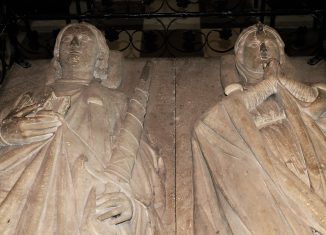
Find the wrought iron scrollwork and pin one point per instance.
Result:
(5, 52)
(217, 20)
(163, 40)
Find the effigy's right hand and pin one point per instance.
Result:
(19, 130)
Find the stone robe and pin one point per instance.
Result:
(251, 178)
(51, 186)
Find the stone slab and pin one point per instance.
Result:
(181, 91)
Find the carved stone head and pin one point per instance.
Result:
(81, 46)
(255, 46)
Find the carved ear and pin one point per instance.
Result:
(114, 76)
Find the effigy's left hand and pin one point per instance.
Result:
(116, 207)
(272, 70)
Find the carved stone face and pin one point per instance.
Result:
(78, 48)
(257, 52)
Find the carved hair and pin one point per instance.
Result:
(101, 65)
(239, 47)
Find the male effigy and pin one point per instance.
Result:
(71, 157)
(260, 153)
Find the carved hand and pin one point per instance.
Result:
(19, 129)
(258, 93)
(275, 75)
(273, 72)
(114, 206)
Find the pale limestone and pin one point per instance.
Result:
(259, 155)
(72, 159)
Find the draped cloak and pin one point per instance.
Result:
(243, 183)
(51, 186)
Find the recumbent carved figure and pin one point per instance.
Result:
(260, 153)
(71, 159)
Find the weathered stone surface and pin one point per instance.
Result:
(259, 154)
(184, 88)
(72, 149)
(197, 88)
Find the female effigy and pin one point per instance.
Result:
(260, 153)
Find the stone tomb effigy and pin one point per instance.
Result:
(181, 91)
